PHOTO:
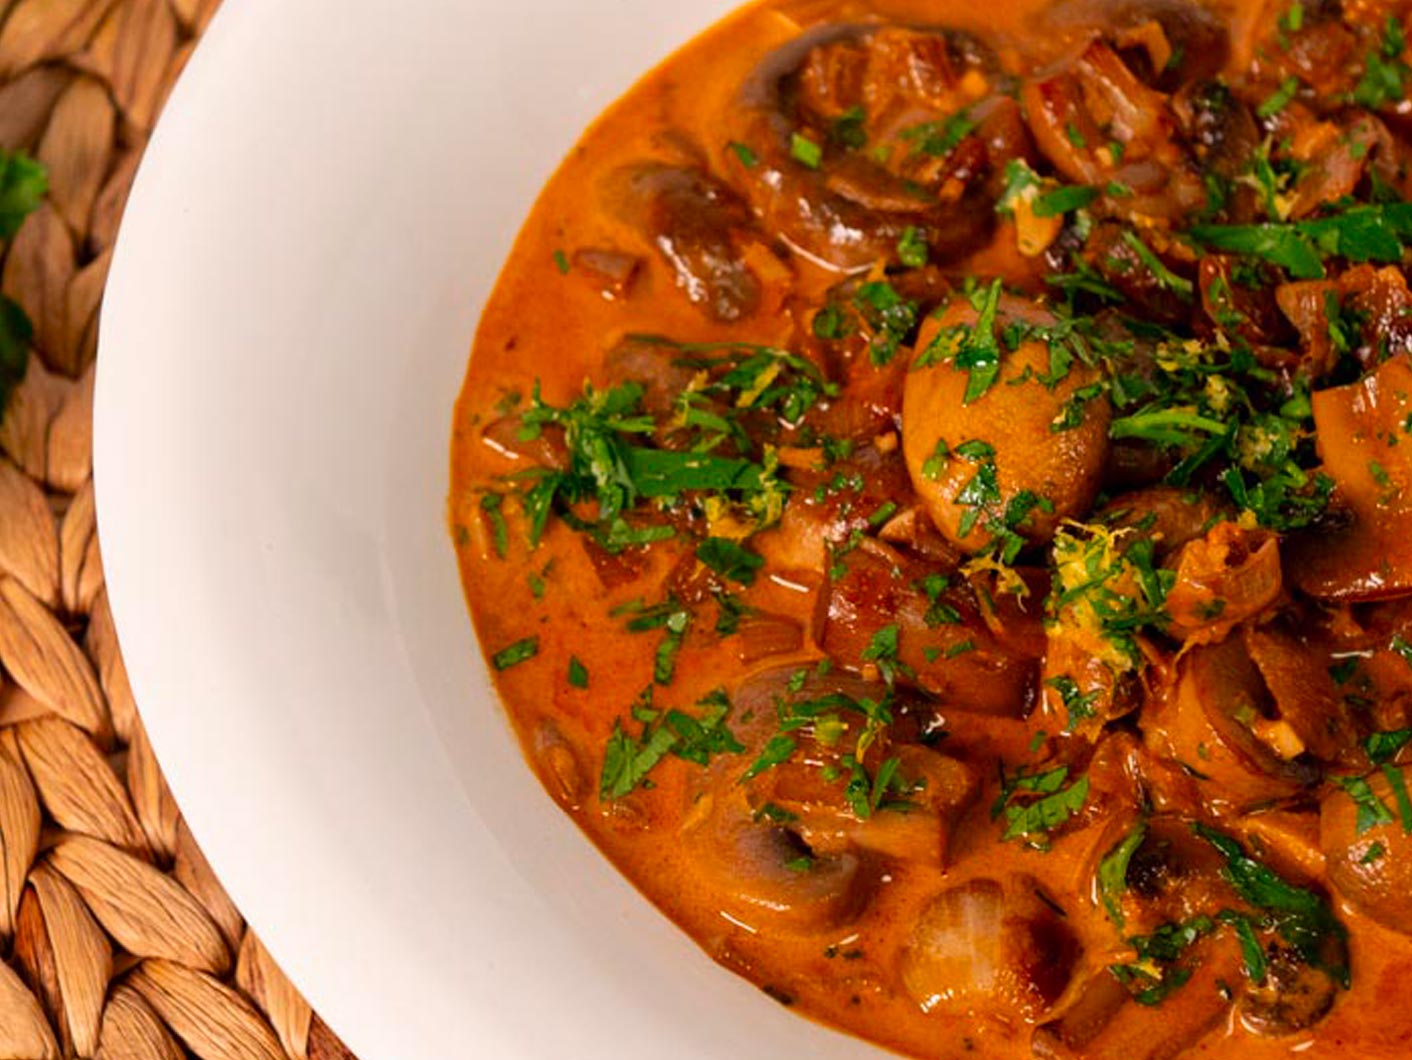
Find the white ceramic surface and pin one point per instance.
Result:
(320, 216)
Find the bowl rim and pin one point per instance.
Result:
(230, 549)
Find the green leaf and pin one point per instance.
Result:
(1279, 99)
(778, 751)
(978, 352)
(912, 249)
(626, 762)
(1252, 953)
(23, 185)
(1029, 817)
(1399, 793)
(748, 158)
(666, 473)
(730, 560)
(1371, 810)
(1163, 275)
(16, 333)
(627, 759)
(491, 504)
(940, 138)
(1384, 78)
(1064, 200)
(1282, 245)
(805, 151)
(1384, 746)
(578, 673)
(1113, 872)
(514, 654)
(1302, 918)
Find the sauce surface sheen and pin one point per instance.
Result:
(1008, 679)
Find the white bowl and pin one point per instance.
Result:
(321, 214)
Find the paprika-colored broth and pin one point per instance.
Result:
(934, 483)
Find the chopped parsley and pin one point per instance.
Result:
(1383, 746)
(972, 348)
(748, 158)
(730, 560)
(912, 248)
(1158, 973)
(1113, 873)
(519, 652)
(1370, 233)
(887, 316)
(805, 151)
(1372, 811)
(1108, 588)
(695, 738)
(607, 464)
(1077, 704)
(1279, 99)
(1164, 276)
(1064, 200)
(1035, 804)
(1300, 917)
(882, 650)
(940, 138)
(849, 129)
(1384, 79)
(491, 504)
(578, 673)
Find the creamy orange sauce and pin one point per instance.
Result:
(546, 327)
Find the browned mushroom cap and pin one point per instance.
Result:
(971, 459)
(1172, 875)
(1104, 1020)
(848, 207)
(1219, 720)
(1293, 996)
(765, 876)
(1369, 850)
(1359, 427)
(1224, 577)
(657, 367)
(1096, 121)
(699, 227)
(1166, 42)
(943, 643)
(993, 947)
(1294, 663)
(809, 791)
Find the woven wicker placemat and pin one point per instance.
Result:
(118, 941)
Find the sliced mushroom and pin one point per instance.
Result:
(810, 789)
(1370, 851)
(970, 460)
(989, 947)
(845, 207)
(1295, 668)
(1103, 1019)
(1081, 109)
(765, 876)
(1226, 576)
(943, 644)
(1220, 722)
(1293, 996)
(1360, 437)
(699, 227)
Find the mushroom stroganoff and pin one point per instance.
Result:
(934, 484)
